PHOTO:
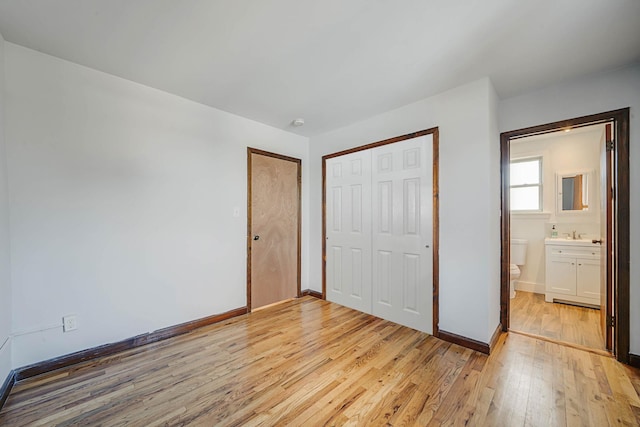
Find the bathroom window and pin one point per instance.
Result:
(526, 185)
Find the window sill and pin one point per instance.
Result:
(531, 215)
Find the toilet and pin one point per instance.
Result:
(518, 256)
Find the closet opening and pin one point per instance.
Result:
(380, 229)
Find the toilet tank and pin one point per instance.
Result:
(518, 251)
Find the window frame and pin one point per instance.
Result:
(540, 185)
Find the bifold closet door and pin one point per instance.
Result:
(348, 230)
(379, 222)
(402, 232)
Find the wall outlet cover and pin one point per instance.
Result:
(69, 323)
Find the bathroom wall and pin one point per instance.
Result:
(562, 152)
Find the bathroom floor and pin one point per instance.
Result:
(578, 325)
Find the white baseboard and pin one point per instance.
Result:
(536, 288)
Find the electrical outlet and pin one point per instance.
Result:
(69, 323)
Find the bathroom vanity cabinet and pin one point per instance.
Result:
(572, 271)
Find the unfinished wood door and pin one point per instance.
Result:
(273, 228)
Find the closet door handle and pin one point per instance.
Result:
(256, 237)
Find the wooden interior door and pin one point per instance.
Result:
(606, 236)
(273, 228)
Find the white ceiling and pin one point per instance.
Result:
(333, 62)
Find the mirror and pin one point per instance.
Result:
(573, 192)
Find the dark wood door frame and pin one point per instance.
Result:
(251, 151)
(436, 209)
(621, 213)
(606, 232)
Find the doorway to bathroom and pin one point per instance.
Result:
(565, 232)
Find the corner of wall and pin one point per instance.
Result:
(161, 221)
(5, 276)
(494, 214)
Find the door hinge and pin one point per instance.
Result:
(610, 145)
(611, 321)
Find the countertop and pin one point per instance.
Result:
(569, 242)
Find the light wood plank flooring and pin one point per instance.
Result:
(578, 325)
(310, 362)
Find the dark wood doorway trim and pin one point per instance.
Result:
(436, 209)
(251, 151)
(621, 213)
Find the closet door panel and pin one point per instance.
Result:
(402, 230)
(348, 230)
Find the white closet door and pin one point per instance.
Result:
(402, 210)
(348, 230)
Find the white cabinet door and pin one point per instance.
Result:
(402, 220)
(348, 230)
(561, 275)
(588, 278)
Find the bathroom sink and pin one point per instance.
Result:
(564, 241)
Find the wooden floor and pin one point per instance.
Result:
(310, 362)
(579, 325)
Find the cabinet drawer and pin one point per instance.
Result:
(573, 252)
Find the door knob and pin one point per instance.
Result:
(256, 237)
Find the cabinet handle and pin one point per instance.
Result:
(579, 264)
(559, 252)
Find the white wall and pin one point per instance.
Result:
(469, 198)
(5, 276)
(580, 97)
(562, 152)
(493, 220)
(122, 202)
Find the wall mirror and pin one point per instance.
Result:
(574, 192)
